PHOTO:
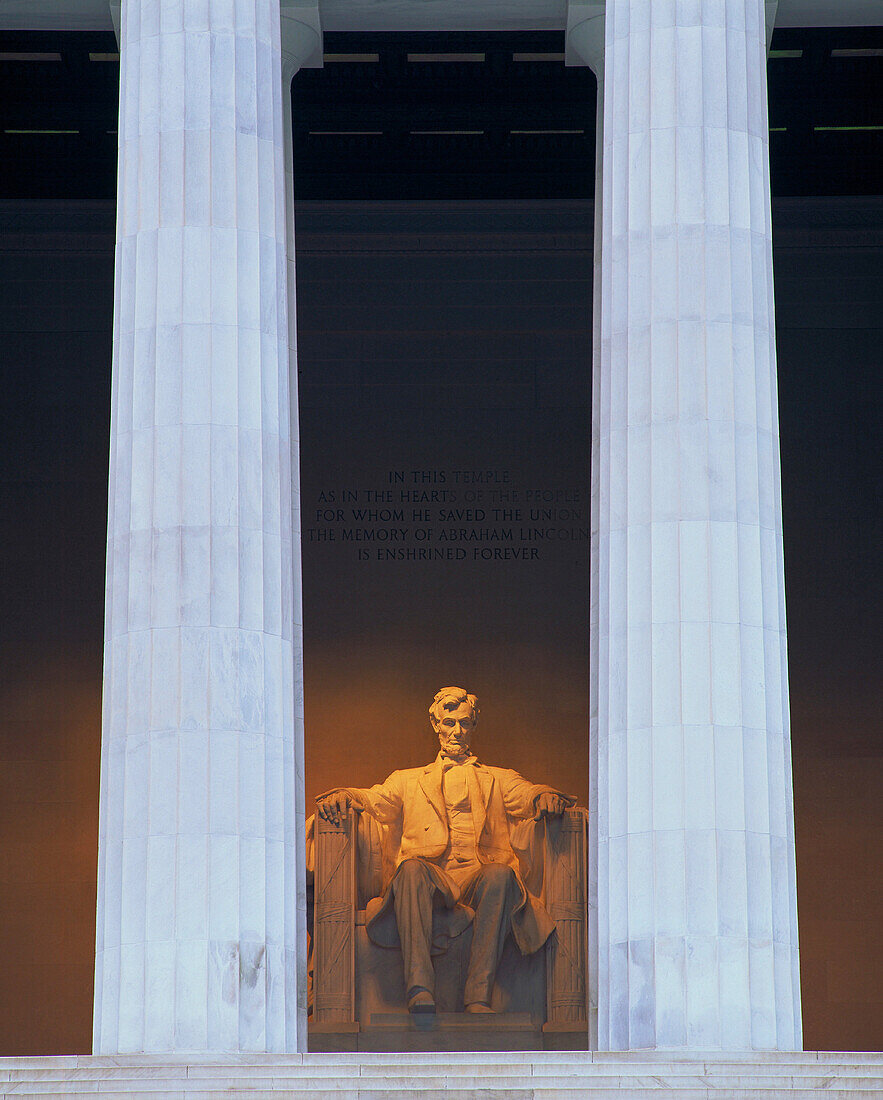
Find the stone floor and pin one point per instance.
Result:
(489, 1076)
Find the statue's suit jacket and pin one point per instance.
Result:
(411, 806)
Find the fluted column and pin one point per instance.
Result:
(585, 46)
(199, 930)
(697, 923)
(301, 40)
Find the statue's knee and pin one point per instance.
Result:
(410, 872)
(497, 876)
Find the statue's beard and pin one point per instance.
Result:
(455, 749)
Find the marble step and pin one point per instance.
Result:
(558, 1076)
(421, 1082)
(508, 1091)
(501, 1059)
(392, 1071)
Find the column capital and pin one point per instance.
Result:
(115, 17)
(584, 37)
(301, 36)
(770, 8)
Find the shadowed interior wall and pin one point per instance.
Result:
(438, 343)
(56, 270)
(828, 259)
(417, 339)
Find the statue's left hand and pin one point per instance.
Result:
(550, 805)
(334, 807)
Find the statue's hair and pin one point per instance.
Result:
(450, 698)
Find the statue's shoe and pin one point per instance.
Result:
(422, 1001)
(478, 1006)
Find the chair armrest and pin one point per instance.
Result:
(565, 878)
(336, 848)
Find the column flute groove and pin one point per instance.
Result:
(301, 45)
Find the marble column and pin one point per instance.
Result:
(200, 938)
(696, 900)
(585, 46)
(301, 40)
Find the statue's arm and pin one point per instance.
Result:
(383, 801)
(524, 799)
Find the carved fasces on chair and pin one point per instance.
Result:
(565, 899)
(335, 901)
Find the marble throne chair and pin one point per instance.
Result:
(357, 987)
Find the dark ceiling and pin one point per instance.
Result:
(397, 116)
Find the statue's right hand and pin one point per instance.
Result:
(333, 808)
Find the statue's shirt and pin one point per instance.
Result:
(460, 858)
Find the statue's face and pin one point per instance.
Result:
(454, 730)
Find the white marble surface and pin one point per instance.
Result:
(200, 933)
(585, 43)
(518, 1076)
(696, 897)
(301, 46)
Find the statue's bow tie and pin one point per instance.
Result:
(447, 762)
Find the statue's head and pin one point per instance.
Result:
(454, 714)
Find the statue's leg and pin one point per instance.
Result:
(493, 894)
(413, 891)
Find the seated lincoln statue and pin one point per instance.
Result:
(450, 825)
